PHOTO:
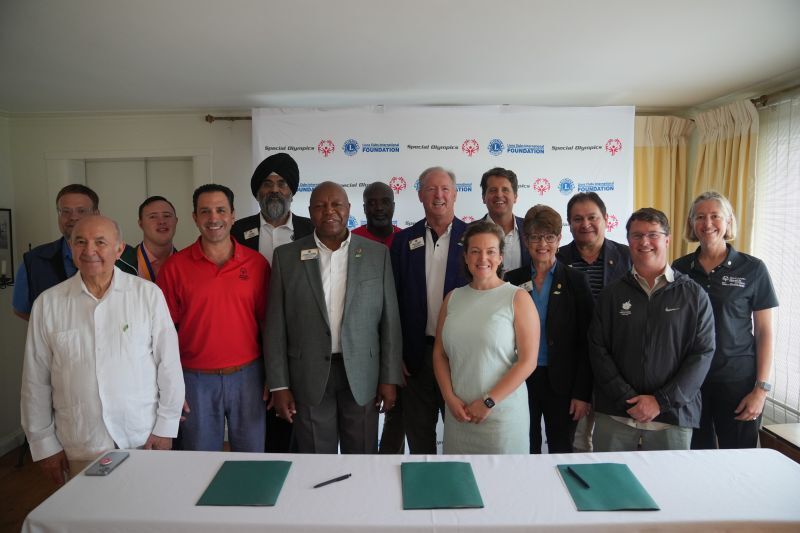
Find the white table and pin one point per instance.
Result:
(756, 490)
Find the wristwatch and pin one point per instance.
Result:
(763, 385)
(488, 402)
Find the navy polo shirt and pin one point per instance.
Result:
(737, 287)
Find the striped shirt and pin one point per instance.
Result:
(593, 271)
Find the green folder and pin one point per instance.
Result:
(439, 485)
(612, 487)
(246, 483)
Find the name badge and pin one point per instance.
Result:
(528, 286)
(310, 253)
(249, 234)
(419, 242)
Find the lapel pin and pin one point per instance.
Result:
(358, 252)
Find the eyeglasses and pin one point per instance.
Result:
(535, 237)
(651, 236)
(68, 212)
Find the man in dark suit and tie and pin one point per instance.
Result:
(274, 184)
(332, 333)
(426, 259)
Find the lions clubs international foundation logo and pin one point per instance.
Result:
(470, 147)
(397, 184)
(326, 147)
(350, 147)
(613, 146)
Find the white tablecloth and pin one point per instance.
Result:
(757, 490)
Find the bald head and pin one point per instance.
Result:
(330, 210)
(379, 207)
(96, 243)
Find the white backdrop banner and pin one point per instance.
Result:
(555, 152)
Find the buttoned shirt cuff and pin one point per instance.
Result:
(166, 428)
(44, 448)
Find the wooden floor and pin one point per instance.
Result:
(21, 490)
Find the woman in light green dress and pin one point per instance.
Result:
(486, 344)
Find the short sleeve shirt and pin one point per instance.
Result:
(737, 287)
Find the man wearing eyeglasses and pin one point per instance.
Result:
(50, 264)
(650, 344)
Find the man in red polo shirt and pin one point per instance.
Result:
(216, 292)
(379, 210)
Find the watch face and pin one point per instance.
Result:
(488, 402)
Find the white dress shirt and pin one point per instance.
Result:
(435, 271)
(100, 373)
(270, 237)
(333, 269)
(512, 253)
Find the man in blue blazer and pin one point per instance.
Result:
(602, 260)
(426, 259)
(499, 192)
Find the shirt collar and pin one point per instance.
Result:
(446, 232)
(550, 271)
(731, 258)
(289, 224)
(667, 274)
(322, 246)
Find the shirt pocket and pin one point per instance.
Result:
(67, 352)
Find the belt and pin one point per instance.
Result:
(220, 371)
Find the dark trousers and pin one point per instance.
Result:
(279, 434)
(393, 437)
(422, 403)
(558, 423)
(718, 426)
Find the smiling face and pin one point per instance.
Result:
(71, 208)
(542, 244)
(158, 223)
(213, 217)
(482, 256)
(329, 210)
(437, 192)
(648, 246)
(710, 224)
(499, 198)
(587, 224)
(96, 246)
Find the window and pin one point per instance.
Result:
(776, 241)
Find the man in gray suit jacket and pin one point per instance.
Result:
(332, 341)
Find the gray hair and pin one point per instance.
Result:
(727, 212)
(428, 171)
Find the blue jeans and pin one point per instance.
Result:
(212, 399)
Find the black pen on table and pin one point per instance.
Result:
(578, 477)
(334, 480)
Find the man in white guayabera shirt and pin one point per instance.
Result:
(102, 368)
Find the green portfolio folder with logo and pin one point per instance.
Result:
(611, 487)
(240, 483)
(439, 485)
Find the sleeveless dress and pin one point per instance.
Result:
(479, 340)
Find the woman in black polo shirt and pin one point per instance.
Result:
(742, 297)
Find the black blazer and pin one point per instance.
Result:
(569, 312)
(302, 227)
(617, 259)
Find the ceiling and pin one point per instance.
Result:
(157, 55)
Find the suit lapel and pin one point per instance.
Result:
(355, 258)
(417, 255)
(312, 268)
(556, 298)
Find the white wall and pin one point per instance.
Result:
(35, 155)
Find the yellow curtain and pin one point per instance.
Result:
(659, 171)
(726, 157)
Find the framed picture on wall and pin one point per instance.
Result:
(6, 247)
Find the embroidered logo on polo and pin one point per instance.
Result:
(671, 309)
(734, 281)
(626, 308)
(243, 274)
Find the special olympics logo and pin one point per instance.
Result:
(566, 186)
(468, 219)
(613, 146)
(541, 185)
(352, 223)
(612, 223)
(397, 184)
(496, 146)
(326, 147)
(350, 147)
(470, 147)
